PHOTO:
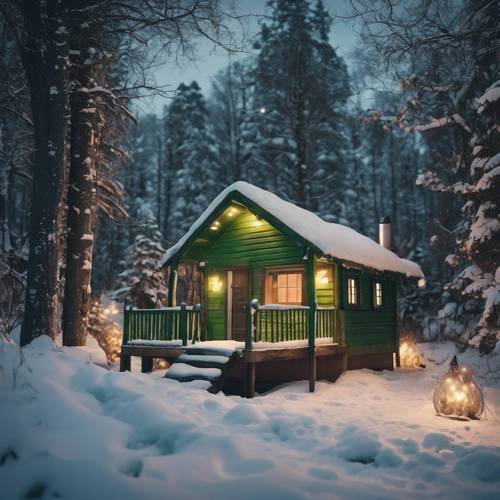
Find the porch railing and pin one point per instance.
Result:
(276, 323)
(166, 324)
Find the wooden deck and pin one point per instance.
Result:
(250, 368)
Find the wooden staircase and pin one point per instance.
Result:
(210, 364)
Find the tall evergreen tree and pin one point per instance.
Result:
(301, 87)
(190, 158)
(228, 107)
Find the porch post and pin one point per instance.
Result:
(249, 338)
(311, 323)
(172, 284)
(397, 323)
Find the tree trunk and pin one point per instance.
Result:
(77, 291)
(82, 177)
(46, 75)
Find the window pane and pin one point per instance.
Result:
(288, 288)
(282, 280)
(352, 291)
(378, 294)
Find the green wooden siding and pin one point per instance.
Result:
(368, 329)
(245, 242)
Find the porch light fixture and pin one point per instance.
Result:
(214, 283)
(457, 395)
(215, 226)
(232, 211)
(409, 354)
(322, 277)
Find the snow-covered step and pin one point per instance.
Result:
(187, 373)
(203, 361)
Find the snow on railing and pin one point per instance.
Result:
(274, 323)
(166, 324)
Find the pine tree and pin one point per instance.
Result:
(142, 284)
(191, 158)
(301, 86)
(228, 108)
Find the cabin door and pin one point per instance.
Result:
(237, 299)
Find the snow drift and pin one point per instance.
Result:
(74, 430)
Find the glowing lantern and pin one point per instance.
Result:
(322, 277)
(457, 395)
(215, 284)
(409, 354)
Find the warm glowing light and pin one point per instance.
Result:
(215, 226)
(215, 283)
(257, 222)
(421, 283)
(322, 277)
(409, 354)
(262, 110)
(232, 212)
(457, 395)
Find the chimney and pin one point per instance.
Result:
(385, 233)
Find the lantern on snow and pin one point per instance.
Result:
(409, 354)
(457, 395)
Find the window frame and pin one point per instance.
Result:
(270, 284)
(376, 306)
(357, 281)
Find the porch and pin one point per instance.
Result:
(282, 343)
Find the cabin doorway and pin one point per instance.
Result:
(237, 299)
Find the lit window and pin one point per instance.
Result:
(284, 287)
(352, 291)
(377, 294)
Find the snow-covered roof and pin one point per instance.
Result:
(333, 240)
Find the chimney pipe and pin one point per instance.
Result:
(385, 233)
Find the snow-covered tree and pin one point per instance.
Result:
(228, 108)
(143, 284)
(301, 87)
(451, 60)
(190, 158)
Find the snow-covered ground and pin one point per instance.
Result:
(72, 429)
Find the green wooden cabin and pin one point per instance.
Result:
(277, 277)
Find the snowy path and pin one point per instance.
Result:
(74, 429)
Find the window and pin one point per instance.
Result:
(377, 294)
(284, 287)
(353, 291)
